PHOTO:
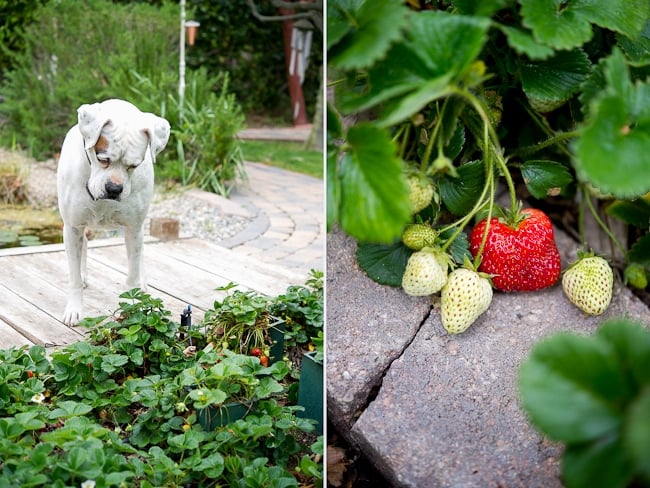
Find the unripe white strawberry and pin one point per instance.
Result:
(426, 272)
(417, 236)
(420, 192)
(465, 296)
(588, 284)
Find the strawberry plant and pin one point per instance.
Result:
(446, 102)
(593, 394)
(124, 408)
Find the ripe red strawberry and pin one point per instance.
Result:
(521, 256)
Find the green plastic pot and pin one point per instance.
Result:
(310, 390)
(276, 332)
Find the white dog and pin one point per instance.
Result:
(105, 179)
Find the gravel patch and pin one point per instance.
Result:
(197, 218)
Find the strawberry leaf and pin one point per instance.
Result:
(384, 264)
(484, 7)
(570, 386)
(460, 194)
(545, 178)
(636, 435)
(567, 24)
(437, 50)
(360, 32)
(459, 248)
(613, 145)
(636, 49)
(524, 43)
(640, 251)
(635, 212)
(373, 193)
(550, 83)
(602, 463)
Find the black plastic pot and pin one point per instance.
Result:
(212, 417)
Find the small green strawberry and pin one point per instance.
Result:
(465, 296)
(420, 192)
(588, 283)
(426, 272)
(417, 236)
(636, 276)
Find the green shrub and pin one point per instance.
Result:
(203, 149)
(77, 52)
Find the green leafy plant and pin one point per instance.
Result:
(301, 309)
(593, 394)
(122, 408)
(550, 97)
(241, 322)
(208, 150)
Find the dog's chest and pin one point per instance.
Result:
(109, 214)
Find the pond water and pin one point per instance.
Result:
(23, 226)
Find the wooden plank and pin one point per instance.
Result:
(105, 284)
(265, 278)
(9, 337)
(32, 322)
(189, 284)
(48, 248)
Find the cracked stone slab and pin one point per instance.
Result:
(368, 326)
(447, 412)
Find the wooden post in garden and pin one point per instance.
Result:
(293, 48)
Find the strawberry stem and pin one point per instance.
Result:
(594, 212)
(496, 147)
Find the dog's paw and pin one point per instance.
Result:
(73, 312)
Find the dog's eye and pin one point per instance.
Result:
(105, 162)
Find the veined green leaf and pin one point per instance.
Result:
(362, 31)
(570, 387)
(459, 249)
(635, 212)
(603, 463)
(567, 24)
(614, 143)
(550, 83)
(524, 43)
(485, 7)
(640, 251)
(545, 178)
(637, 49)
(632, 345)
(460, 194)
(437, 50)
(374, 197)
(384, 263)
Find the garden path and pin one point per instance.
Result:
(434, 410)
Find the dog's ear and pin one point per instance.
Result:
(91, 121)
(158, 132)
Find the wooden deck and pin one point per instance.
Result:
(33, 283)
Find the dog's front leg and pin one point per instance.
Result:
(133, 239)
(74, 239)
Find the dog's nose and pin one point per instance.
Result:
(113, 190)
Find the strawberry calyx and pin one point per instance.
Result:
(473, 266)
(512, 217)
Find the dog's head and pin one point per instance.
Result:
(117, 138)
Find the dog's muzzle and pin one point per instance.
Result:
(112, 191)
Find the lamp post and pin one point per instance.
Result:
(191, 26)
